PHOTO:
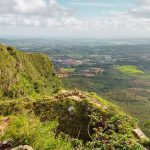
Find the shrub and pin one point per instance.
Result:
(11, 50)
(29, 130)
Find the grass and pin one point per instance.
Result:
(29, 130)
(94, 121)
(26, 74)
(120, 89)
(130, 70)
(134, 102)
(69, 70)
(105, 120)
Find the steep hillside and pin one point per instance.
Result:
(57, 120)
(25, 74)
(84, 120)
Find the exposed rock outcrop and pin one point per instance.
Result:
(25, 147)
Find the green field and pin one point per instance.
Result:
(130, 70)
(69, 70)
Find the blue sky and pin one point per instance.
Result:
(96, 8)
(75, 18)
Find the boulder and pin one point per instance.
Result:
(71, 110)
(25, 147)
(6, 145)
(137, 132)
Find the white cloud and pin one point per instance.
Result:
(29, 6)
(143, 2)
(142, 12)
(142, 9)
(33, 7)
(52, 16)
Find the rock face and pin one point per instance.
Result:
(25, 74)
(140, 134)
(4, 125)
(25, 147)
(71, 110)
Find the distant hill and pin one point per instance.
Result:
(26, 74)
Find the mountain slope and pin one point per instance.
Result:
(84, 120)
(25, 74)
(89, 121)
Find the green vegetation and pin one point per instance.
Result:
(93, 123)
(71, 70)
(131, 70)
(25, 74)
(130, 92)
(30, 131)
(45, 117)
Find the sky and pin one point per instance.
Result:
(75, 18)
